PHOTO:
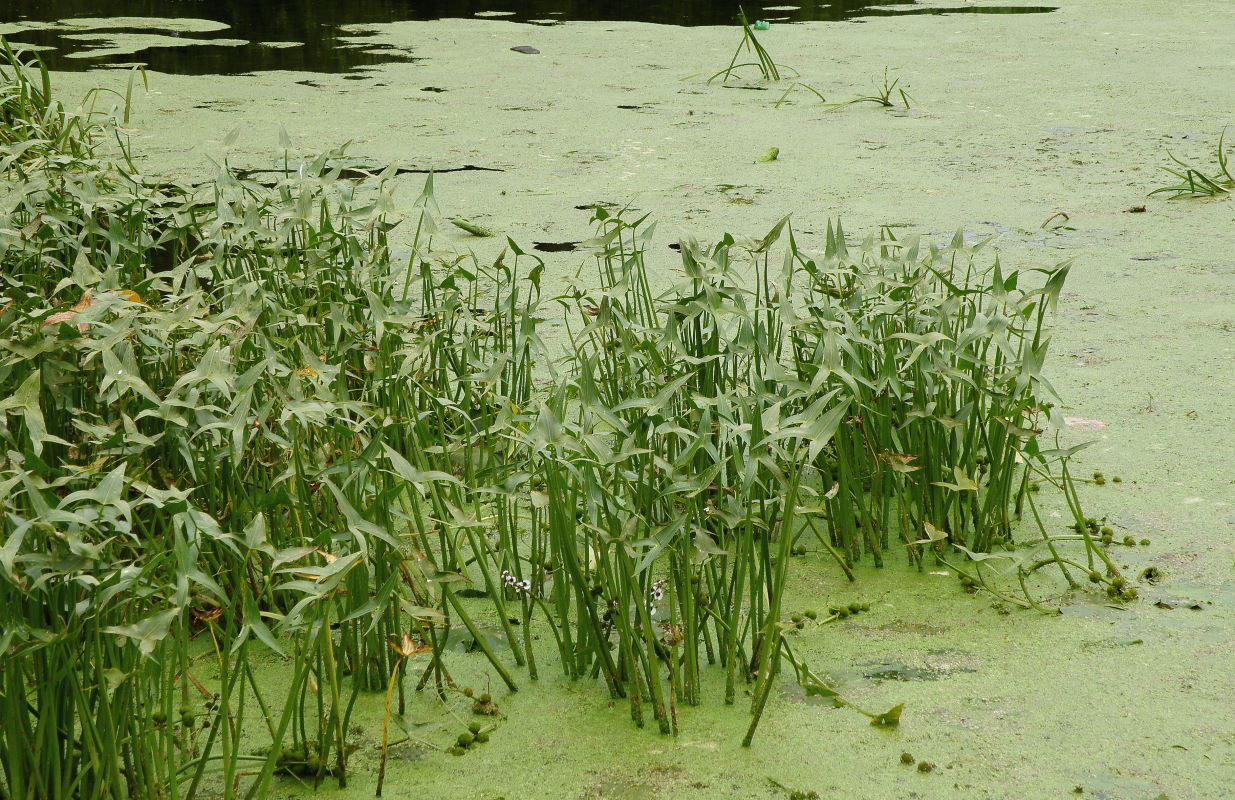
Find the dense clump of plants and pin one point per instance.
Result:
(235, 423)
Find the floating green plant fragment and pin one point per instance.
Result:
(472, 227)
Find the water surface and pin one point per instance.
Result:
(329, 36)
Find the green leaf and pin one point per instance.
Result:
(403, 468)
(963, 482)
(890, 718)
(255, 625)
(26, 400)
(148, 632)
(986, 556)
(933, 534)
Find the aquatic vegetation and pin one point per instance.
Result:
(883, 95)
(471, 227)
(798, 85)
(768, 69)
(238, 427)
(1193, 182)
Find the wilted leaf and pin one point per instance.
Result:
(899, 463)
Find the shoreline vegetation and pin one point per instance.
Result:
(236, 424)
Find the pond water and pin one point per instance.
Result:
(330, 36)
(1014, 119)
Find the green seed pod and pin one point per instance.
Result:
(843, 613)
(1116, 479)
(1107, 531)
(1095, 577)
(467, 691)
(855, 608)
(1129, 541)
(1144, 543)
(925, 767)
(907, 758)
(865, 606)
(810, 613)
(158, 718)
(455, 750)
(474, 728)
(465, 739)
(486, 698)
(481, 738)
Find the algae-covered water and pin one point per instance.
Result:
(332, 35)
(1014, 118)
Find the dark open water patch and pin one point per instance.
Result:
(329, 35)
